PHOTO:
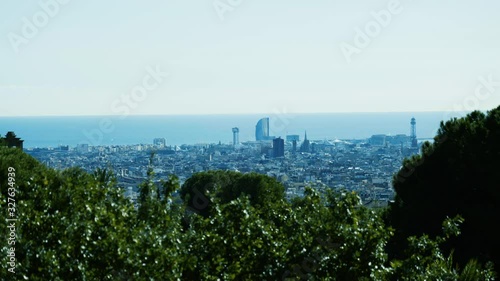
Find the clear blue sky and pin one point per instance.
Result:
(263, 57)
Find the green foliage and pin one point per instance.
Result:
(202, 188)
(346, 239)
(234, 244)
(170, 186)
(104, 177)
(456, 175)
(78, 226)
(474, 271)
(425, 261)
(69, 227)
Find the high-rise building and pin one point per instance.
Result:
(278, 147)
(236, 136)
(262, 129)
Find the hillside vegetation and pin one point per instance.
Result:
(220, 225)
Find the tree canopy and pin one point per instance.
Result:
(202, 188)
(455, 175)
(73, 225)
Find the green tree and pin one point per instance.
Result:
(76, 226)
(455, 175)
(343, 240)
(425, 261)
(69, 227)
(105, 177)
(202, 188)
(170, 187)
(73, 225)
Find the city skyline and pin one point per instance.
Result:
(241, 57)
(217, 129)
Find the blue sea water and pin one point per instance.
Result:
(192, 129)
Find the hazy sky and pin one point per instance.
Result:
(96, 57)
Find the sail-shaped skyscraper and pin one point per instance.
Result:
(262, 129)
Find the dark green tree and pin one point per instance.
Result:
(455, 175)
(202, 188)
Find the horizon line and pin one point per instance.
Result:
(223, 114)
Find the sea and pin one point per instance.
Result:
(55, 131)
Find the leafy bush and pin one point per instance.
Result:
(78, 226)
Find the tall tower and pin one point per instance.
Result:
(413, 133)
(236, 136)
(262, 129)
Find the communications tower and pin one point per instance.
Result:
(413, 134)
(236, 137)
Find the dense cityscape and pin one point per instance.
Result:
(365, 166)
(250, 140)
